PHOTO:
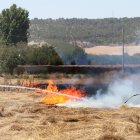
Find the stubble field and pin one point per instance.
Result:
(23, 117)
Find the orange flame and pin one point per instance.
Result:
(55, 96)
(51, 86)
(66, 94)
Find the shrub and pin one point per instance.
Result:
(43, 56)
(9, 59)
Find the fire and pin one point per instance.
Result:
(51, 86)
(56, 96)
(53, 94)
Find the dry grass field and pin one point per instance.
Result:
(23, 117)
(112, 50)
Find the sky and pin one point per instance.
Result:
(91, 9)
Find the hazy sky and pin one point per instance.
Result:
(77, 8)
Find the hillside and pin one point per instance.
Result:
(90, 31)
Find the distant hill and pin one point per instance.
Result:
(106, 31)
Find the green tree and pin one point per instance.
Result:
(14, 25)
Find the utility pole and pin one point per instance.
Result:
(123, 50)
(112, 26)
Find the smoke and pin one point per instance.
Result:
(117, 93)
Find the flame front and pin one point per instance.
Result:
(66, 94)
(55, 96)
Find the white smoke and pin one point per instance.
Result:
(118, 92)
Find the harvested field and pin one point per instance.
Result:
(112, 50)
(23, 117)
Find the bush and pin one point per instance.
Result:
(42, 56)
(9, 59)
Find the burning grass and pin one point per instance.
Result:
(56, 96)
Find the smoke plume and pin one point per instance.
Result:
(117, 93)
